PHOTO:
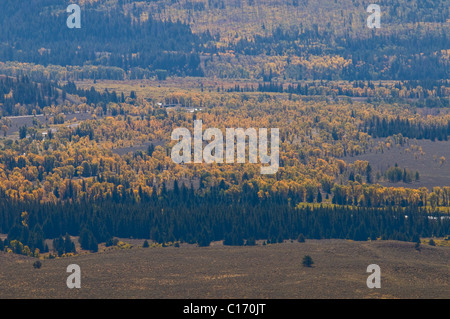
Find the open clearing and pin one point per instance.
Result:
(271, 271)
(432, 172)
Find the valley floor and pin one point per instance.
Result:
(269, 271)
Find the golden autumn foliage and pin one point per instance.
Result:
(314, 137)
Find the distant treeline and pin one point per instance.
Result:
(182, 215)
(326, 88)
(382, 127)
(30, 95)
(21, 95)
(93, 96)
(397, 56)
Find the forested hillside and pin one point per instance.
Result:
(108, 37)
(326, 39)
(143, 37)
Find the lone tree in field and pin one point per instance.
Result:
(307, 261)
(417, 246)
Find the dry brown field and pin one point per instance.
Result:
(262, 271)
